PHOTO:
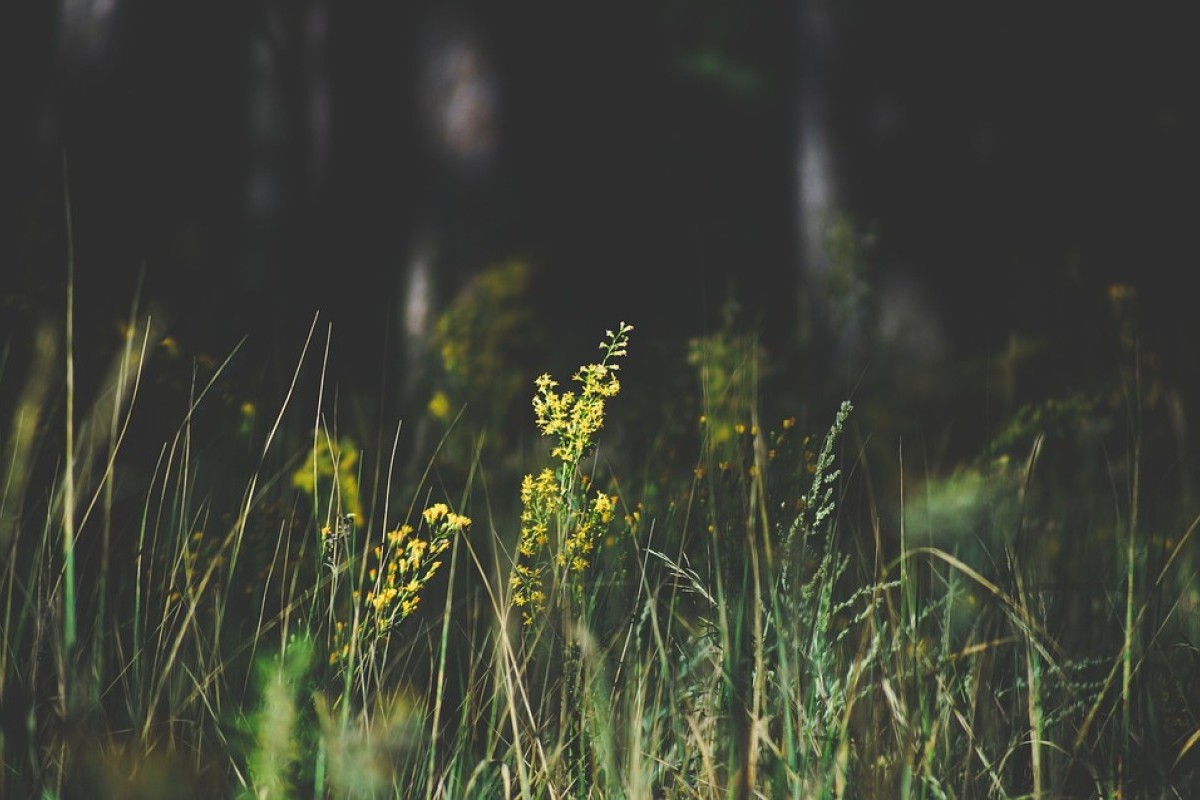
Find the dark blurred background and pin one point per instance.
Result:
(258, 160)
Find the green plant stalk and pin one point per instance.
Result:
(791, 738)
(1033, 674)
(68, 608)
(1131, 624)
(319, 766)
(443, 647)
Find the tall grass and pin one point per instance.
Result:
(256, 605)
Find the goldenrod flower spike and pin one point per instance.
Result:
(560, 520)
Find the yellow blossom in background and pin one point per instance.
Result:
(727, 367)
(331, 465)
(439, 405)
(633, 522)
(247, 413)
(484, 332)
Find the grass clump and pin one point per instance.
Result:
(270, 611)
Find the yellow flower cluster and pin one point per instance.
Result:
(558, 517)
(528, 589)
(406, 563)
(540, 503)
(582, 541)
(573, 419)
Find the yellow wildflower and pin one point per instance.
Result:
(439, 405)
(435, 512)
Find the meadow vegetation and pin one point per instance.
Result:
(680, 577)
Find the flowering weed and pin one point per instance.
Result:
(562, 515)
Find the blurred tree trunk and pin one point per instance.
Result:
(817, 178)
(287, 96)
